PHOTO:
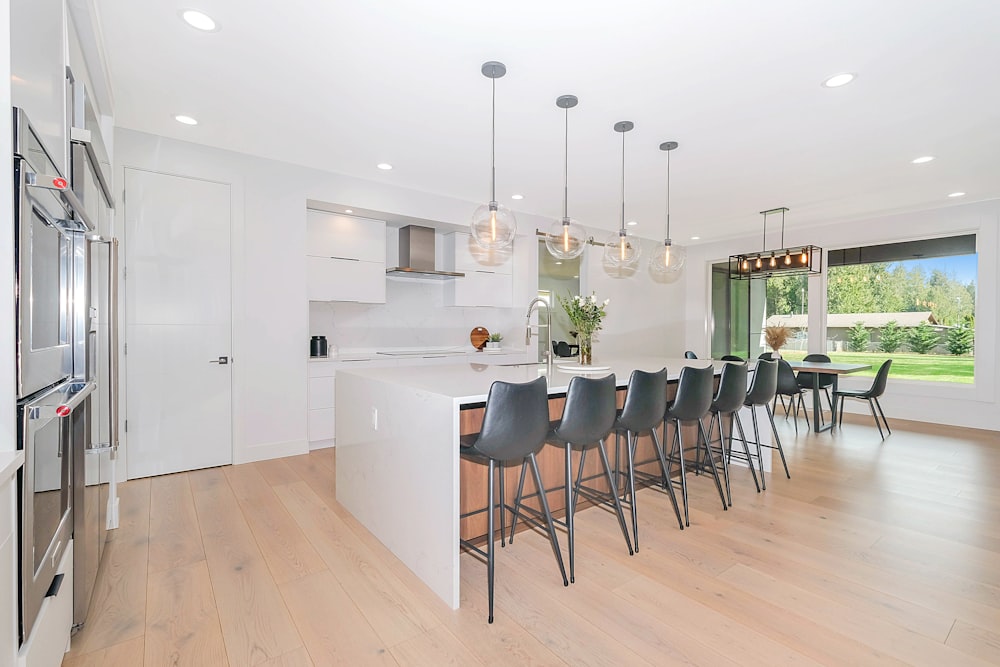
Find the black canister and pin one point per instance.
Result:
(318, 346)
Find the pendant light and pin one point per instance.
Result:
(668, 260)
(493, 225)
(620, 250)
(566, 238)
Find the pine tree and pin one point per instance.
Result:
(857, 338)
(922, 338)
(891, 337)
(960, 339)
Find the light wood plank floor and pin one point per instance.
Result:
(873, 553)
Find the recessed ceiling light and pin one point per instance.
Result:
(922, 160)
(187, 120)
(957, 194)
(695, 238)
(347, 210)
(384, 166)
(631, 223)
(838, 80)
(199, 20)
(517, 197)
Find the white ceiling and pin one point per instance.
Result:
(342, 86)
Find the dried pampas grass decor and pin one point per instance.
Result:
(776, 337)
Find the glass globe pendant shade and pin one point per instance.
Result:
(622, 250)
(667, 262)
(493, 226)
(565, 239)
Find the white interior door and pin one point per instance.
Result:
(178, 323)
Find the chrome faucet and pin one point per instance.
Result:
(535, 303)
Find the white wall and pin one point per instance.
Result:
(976, 406)
(8, 400)
(271, 313)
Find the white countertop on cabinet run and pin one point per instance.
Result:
(10, 462)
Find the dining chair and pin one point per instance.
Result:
(871, 395)
(515, 423)
(690, 355)
(806, 379)
(788, 387)
(732, 357)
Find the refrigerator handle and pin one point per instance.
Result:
(113, 329)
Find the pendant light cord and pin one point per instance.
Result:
(623, 182)
(668, 197)
(493, 146)
(764, 243)
(782, 228)
(566, 169)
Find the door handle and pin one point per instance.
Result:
(221, 361)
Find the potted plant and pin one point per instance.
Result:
(493, 342)
(776, 337)
(586, 314)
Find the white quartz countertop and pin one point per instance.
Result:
(466, 352)
(470, 382)
(9, 463)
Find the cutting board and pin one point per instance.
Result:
(478, 337)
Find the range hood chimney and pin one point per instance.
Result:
(416, 255)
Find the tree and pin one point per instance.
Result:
(922, 338)
(960, 339)
(857, 338)
(891, 337)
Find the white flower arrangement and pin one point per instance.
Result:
(586, 313)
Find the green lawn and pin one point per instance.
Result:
(905, 365)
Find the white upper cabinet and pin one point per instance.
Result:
(345, 258)
(488, 277)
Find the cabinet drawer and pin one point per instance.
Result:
(46, 644)
(321, 369)
(345, 280)
(321, 393)
(332, 235)
(322, 425)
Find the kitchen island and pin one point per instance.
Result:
(398, 464)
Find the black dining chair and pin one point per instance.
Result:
(690, 355)
(588, 418)
(732, 357)
(515, 424)
(871, 395)
(806, 379)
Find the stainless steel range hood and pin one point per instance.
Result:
(416, 255)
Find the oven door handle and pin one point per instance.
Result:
(63, 409)
(59, 185)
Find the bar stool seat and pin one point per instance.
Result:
(515, 424)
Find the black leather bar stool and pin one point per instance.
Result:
(645, 405)
(871, 395)
(728, 402)
(761, 393)
(515, 423)
(805, 379)
(691, 404)
(587, 418)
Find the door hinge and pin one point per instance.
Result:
(126, 426)
(125, 351)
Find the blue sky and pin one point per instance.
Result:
(962, 267)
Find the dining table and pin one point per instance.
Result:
(833, 368)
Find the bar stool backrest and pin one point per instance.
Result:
(732, 389)
(590, 410)
(516, 420)
(645, 400)
(765, 383)
(694, 394)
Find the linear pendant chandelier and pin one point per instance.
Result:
(785, 261)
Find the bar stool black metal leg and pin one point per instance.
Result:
(569, 511)
(548, 516)
(490, 537)
(664, 466)
(777, 442)
(614, 495)
(725, 459)
(711, 463)
(630, 441)
(503, 504)
(679, 442)
(746, 447)
(760, 452)
(517, 504)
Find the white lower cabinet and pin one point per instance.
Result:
(320, 424)
(49, 637)
(8, 574)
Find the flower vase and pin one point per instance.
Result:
(586, 343)
(775, 355)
